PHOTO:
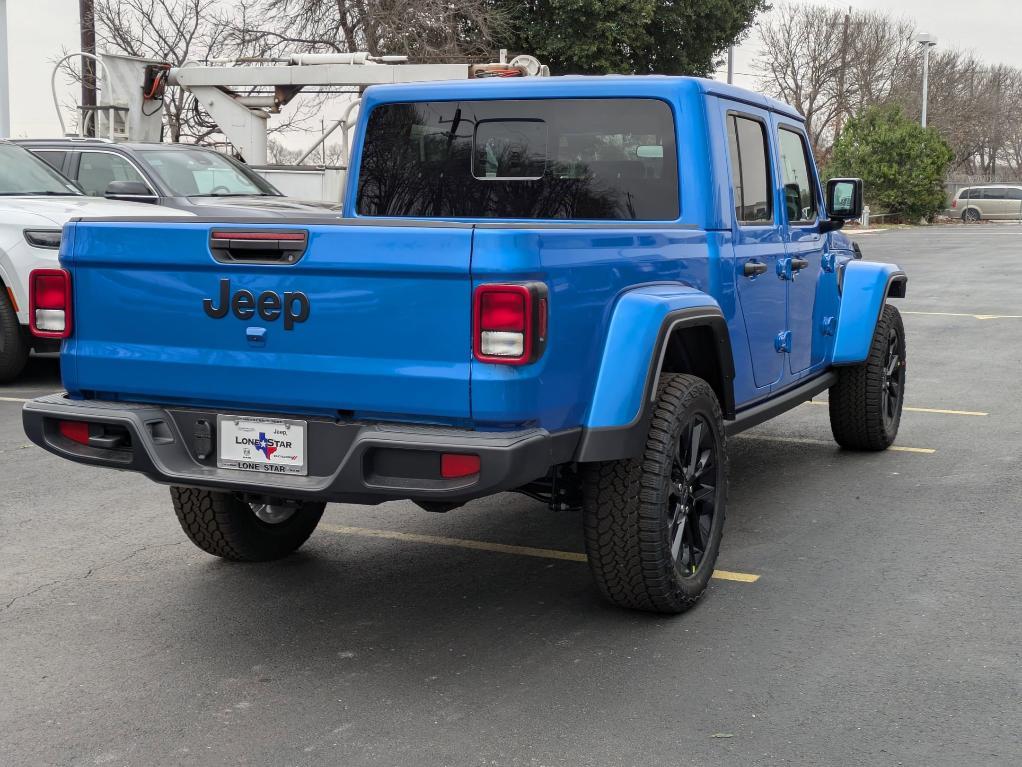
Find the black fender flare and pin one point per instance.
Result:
(627, 441)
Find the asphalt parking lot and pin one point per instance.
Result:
(873, 619)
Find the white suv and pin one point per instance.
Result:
(35, 203)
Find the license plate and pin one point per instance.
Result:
(269, 445)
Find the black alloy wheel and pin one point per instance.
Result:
(894, 380)
(693, 497)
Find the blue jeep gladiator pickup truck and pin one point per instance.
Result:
(573, 288)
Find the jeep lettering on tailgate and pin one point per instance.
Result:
(270, 305)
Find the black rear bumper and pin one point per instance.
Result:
(348, 462)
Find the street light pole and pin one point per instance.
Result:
(730, 64)
(927, 41)
(926, 80)
(5, 85)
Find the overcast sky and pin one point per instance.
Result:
(990, 28)
(39, 29)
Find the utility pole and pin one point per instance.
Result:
(5, 85)
(730, 64)
(927, 41)
(87, 16)
(841, 76)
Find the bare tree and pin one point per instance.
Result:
(827, 76)
(804, 51)
(181, 32)
(1011, 116)
(960, 101)
(880, 50)
(175, 31)
(800, 62)
(423, 30)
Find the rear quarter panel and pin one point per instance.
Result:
(588, 271)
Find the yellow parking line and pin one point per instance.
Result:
(918, 409)
(807, 441)
(974, 316)
(727, 575)
(501, 548)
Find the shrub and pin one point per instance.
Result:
(902, 164)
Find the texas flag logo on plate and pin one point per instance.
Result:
(263, 445)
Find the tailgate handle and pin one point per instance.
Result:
(258, 246)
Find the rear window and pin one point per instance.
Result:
(533, 159)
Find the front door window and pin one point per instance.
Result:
(97, 170)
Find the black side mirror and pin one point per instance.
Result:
(844, 198)
(135, 191)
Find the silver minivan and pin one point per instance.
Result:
(993, 202)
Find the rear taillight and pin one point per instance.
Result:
(954, 203)
(49, 303)
(509, 323)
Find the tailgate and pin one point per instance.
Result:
(367, 320)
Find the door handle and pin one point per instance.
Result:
(753, 268)
(797, 264)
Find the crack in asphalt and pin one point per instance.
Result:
(88, 573)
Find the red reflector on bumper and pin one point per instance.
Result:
(76, 431)
(455, 465)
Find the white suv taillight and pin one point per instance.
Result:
(49, 303)
(509, 323)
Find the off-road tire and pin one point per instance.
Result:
(13, 343)
(627, 507)
(224, 525)
(857, 416)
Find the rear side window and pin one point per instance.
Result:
(799, 187)
(52, 157)
(533, 159)
(993, 193)
(750, 170)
